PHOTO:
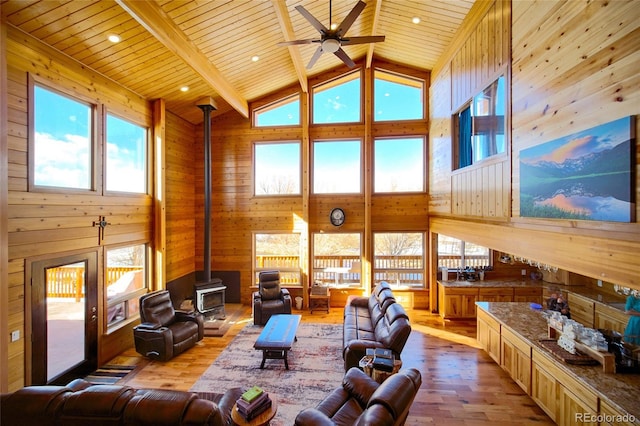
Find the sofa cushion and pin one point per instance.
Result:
(33, 405)
(102, 403)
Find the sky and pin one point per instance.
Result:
(63, 153)
(339, 162)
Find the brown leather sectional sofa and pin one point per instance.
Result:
(377, 321)
(362, 401)
(80, 404)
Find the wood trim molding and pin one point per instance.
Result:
(4, 203)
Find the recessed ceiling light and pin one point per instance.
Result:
(184, 89)
(255, 58)
(334, 26)
(415, 20)
(114, 38)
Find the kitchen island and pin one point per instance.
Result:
(570, 394)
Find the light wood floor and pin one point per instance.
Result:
(461, 384)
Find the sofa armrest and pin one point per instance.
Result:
(360, 301)
(148, 326)
(313, 417)
(359, 385)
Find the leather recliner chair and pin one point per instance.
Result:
(362, 401)
(270, 299)
(165, 332)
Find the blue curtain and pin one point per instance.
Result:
(464, 129)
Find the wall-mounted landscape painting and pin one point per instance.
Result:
(587, 175)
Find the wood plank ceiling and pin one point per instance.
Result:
(209, 45)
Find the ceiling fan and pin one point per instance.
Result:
(333, 38)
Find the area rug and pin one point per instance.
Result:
(315, 369)
(109, 374)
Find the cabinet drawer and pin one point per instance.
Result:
(490, 321)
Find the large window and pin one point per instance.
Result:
(126, 156)
(278, 251)
(126, 280)
(399, 165)
(336, 259)
(277, 168)
(397, 97)
(399, 259)
(63, 137)
(455, 254)
(337, 167)
(285, 112)
(480, 126)
(338, 101)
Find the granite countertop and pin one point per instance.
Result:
(620, 390)
(492, 283)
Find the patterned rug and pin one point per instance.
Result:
(109, 374)
(315, 368)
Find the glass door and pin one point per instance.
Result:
(64, 318)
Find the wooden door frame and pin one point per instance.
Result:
(92, 256)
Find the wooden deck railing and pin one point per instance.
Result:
(68, 281)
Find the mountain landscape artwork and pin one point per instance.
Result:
(587, 175)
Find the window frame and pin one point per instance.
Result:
(282, 269)
(421, 270)
(462, 257)
(95, 163)
(312, 165)
(255, 163)
(456, 134)
(334, 82)
(335, 281)
(147, 154)
(423, 179)
(274, 105)
(397, 77)
(128, 297)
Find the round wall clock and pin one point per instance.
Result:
(337, 216)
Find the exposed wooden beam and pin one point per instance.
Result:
(154, 20)
(374, 28)
(284, 21)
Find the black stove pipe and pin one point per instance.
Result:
(207, 105)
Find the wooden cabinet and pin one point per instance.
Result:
(543, 384)
(563, 398)
(457, 302)
(527, 294)
(582, 309)
(488, 335)
(611, 416)
(572, 410)
(495, 294)
(516, 358)
(610, 318)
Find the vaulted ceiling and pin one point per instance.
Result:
(209, 46)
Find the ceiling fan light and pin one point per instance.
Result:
(330, 45)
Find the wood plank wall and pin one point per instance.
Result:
(574, 66)
(237, 214)
(51, 224)
(180, 194)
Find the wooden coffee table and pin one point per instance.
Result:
(277, 337)
(261, 419)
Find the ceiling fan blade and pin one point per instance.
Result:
(312, 20)
(350, 41)
(344, 57)
(295, 42)
(315, 57)
(351, 17)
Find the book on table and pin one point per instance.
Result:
(249, 410)
(252, 393)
